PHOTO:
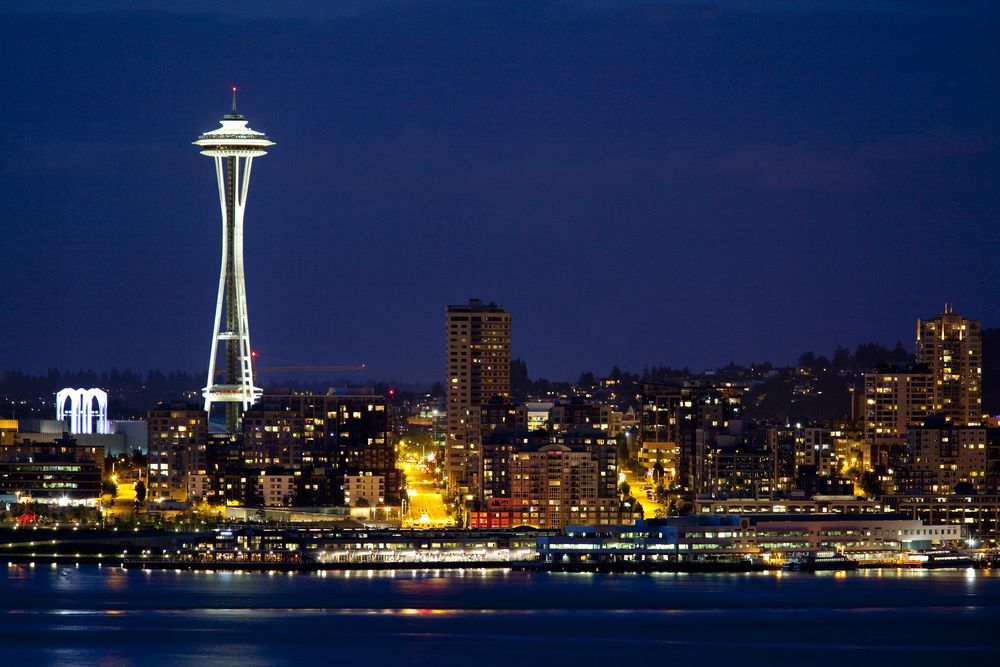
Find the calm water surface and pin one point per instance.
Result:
(109, 616)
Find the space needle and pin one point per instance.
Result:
(233, 147)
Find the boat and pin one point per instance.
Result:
(820, 561)
(940, 558)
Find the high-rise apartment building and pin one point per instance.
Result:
(178, 444)
(295, 448)
(810, 459)
(550, 481)
(896, 400)
(688, 420)
(946, 459)
(555, 485)
(478, 369)
(952, 347)
(339, 434)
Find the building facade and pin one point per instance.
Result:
(693, 417)
(946, 459)
(325, 437)
(178, 447)
(952, 347)
(895, 401)
(477, 370)
(365, 490)
(57, 471)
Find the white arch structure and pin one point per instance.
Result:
(81, 412)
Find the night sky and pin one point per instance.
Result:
(638, 183)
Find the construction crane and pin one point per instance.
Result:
(312, 369)
(297, 367)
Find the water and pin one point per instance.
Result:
(107, 616)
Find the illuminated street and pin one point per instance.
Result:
(650, 508)
(426, 502)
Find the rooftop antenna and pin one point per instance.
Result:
(234, 100)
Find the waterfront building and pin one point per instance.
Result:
(326, 545)
(477, 370)
(884, 538)
(735, 539)
(952, 347)
(979, 515)
(51, 471)
(796, 504)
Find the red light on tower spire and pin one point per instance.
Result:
(234, 98)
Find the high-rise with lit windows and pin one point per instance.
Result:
(952, 347)
(896, 400)
(178, 444)
(338, 433)
(946, 459)
(478, 369)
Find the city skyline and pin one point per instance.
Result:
(581, 329)
(753, 220)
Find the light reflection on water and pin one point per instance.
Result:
(112, 616)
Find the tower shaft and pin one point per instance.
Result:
(233, 330)
(232, 301)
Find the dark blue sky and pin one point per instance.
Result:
(636, 182)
